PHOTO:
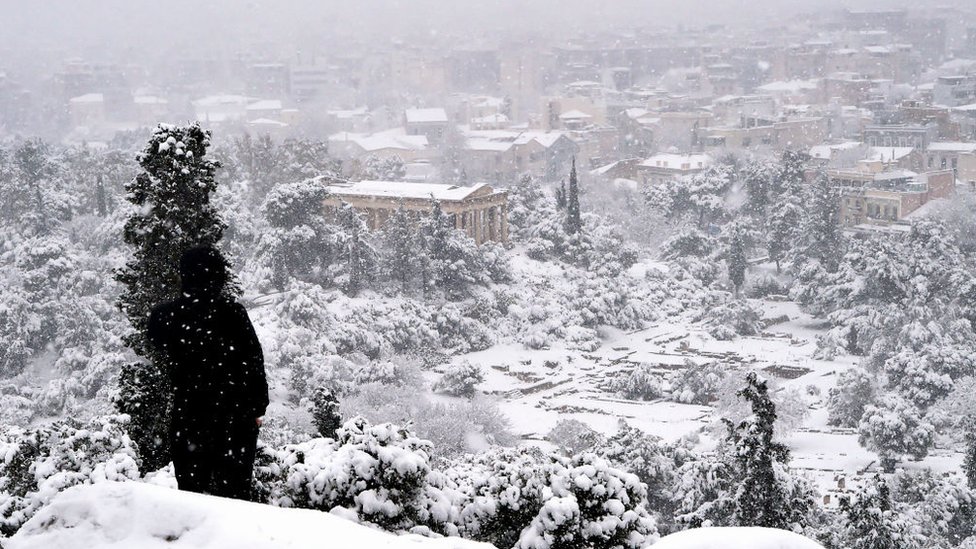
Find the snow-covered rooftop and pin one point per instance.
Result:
(399, 189)
(574, 115)
(827, 150)
(395, 139)
(889, 154)
(88, 98)
(267, 122)
(222, 99)
(789, 86)
(678, 161)
(420, 116)
(952, 146)
(265, 105)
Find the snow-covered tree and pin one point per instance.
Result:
(895, 428)
(736, 260)
(762, 498)
(301, 241)
(758, 179)
(821, 237)
(869, 522)
(355, 250)
(574, 223)
(700, 197)
(399, 261)
(325, 412)
(386, 169)
(855, 390)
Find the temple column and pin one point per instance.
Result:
(504, 209)
(477, 226)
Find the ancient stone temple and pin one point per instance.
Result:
(479, 210)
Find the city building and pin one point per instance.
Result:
(664, 167)
(887, 196)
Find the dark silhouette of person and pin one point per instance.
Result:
(216, 365)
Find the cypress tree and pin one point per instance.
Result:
(760, 500)
(573, 222)
(325, 413)
(737, 262)
(173, 213)
(101, 204)
(969, 460)
(357, 252)
(401, 248)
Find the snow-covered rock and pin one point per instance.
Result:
(736, 538)
(136, 515)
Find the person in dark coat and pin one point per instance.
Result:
(216, 366)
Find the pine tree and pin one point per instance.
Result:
(758, 184)
(737, 262)
(573, 222)
(101, 204)
(356, 250)
(869, 521)
(400, 243)
(790, 176)
(761, 499)
(325, 413)
(784, 222)
(969, 463)
(821, 234)
(451, 261)
(173, 213)
(561, 195)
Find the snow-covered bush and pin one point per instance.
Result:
(592, 504)
(37, 463)
(697, 383)
(400, 373)
(504, 490)
(640, 383)
(572, 436)
(460, 379)
(377, 472)
(655, 464)
(730, 319)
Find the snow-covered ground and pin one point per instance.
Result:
(537, 388)
(136, 515)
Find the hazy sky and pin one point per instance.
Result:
(121, 28)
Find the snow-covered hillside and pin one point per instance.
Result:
(135, 515)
